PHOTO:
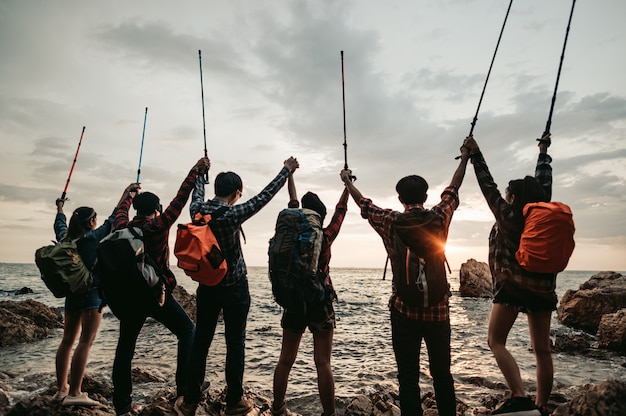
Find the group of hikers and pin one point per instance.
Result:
(515, 290)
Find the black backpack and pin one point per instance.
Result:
(294, 252)
(129, 277)
(418, 260)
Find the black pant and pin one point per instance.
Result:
(407, 337)
(174, 317)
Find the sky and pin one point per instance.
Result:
(414, 72)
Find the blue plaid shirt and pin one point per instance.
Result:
(227, 227)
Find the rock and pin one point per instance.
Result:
(26, 321)
(475, 280)
(572, 342)
(23, 291)
(603, 293)
(144, 376)
(612, 331)
(186, 300)
(606, 399)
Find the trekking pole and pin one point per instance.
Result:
(206, 175)
(143, 134)
(558, 75)
(473, 123)
(345, 142)
(67, 183)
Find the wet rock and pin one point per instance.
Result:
(23, 291)
(606, 399)
(475, 280)
(26, 321)
(612, 331)
(603, 293)
(43, 405)
(572, 342)
(186, 300)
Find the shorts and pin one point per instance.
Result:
(319, 318)
(524, 299)
(83, 302)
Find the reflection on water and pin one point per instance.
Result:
(362, 352)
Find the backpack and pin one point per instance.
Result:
(418, 260)
(547, 241)
(198, 251)
(129, 277)
(294, 252)
(62, 269)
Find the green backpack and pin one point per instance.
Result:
(62, 269)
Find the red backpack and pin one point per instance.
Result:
(198, 251)
(547, 241)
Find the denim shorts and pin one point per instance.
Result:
(319, 318)
(83, 302)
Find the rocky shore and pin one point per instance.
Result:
(596, 312)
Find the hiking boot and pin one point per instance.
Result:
(518, 406)
(281, 411)
(241, 408)
(184, 409)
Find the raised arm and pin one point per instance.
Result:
(459, 174)
(293, 196)
(346, 175)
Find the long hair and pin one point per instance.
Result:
(526, 190)
(79, 223)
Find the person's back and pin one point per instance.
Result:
(319, 317)
(410, 321)
(231, 296)
(155, 223)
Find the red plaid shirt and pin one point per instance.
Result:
(380, 219)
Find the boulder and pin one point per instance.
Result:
(603, 293)
(26, 321)
(606, 399)
(475, 280)
(612, 331)
(186, 300)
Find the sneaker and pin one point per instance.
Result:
(544, 411)
(80, 400)
(281, 411)
(59, 396)
(241, 408)
(184, 409)
(518, 406)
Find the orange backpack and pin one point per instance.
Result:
(198, 251)
(547, 241)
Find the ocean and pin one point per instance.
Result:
(362, 354)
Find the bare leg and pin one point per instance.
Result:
(288, 353)
(90, 323)
(322, 349)
(501, 320)
(71, 327)
(539, 328)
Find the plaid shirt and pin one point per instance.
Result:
(227, 228)
(156, 230)
(505, 235)
(380, 219)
